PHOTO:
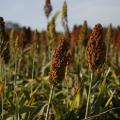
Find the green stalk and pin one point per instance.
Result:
(66, 74)
(33, 68)
(2, 71)
(89, 95)
(2, 93)
(17, 101)
(2, 106)
(49, 103)
(14, 84)
(14, 89)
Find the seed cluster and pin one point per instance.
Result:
(116, 41)
(64, 14)
(47, 8)
(96, 49)
(25, 37)
(4, 42)
(59, 62)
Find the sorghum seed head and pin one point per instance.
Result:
(116, 40)
(25, 37)
(59, 62)
(4, 42)
(51, 27)
(83, 34)
(75, 35)
(47, 8)
(96, 49)
(64, 14)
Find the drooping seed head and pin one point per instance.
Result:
(96, 49)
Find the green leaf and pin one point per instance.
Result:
(76, 101)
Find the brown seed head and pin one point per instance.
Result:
(47, 8)
(83, 34)
(96, 49)
(116, 40)
(75, 35)
(25, 37)
(59, 62)
(4, 42)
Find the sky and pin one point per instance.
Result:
(31, 13)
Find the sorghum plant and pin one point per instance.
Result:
(96, 49)
(59, 62)
(96, 53)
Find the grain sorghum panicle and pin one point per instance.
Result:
(116, 40)
(59, 62)
(47, 8)
(4, 42)
(96, 49)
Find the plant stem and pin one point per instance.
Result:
(14, 84)
(33, 69)
(2, 106)
(89, 92)
(49, 102)
(2, 93)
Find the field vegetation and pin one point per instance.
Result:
(51, 75)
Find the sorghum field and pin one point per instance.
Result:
(51, 75)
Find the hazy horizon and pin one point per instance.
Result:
(31, 13)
